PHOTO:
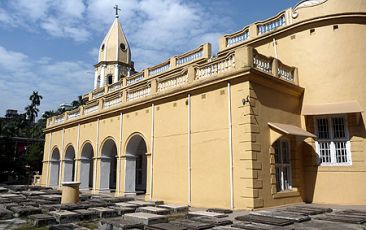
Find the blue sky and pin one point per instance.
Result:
(51, 46)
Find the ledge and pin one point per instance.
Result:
(286, 194)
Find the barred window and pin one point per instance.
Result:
(333, 145)
(283, 165)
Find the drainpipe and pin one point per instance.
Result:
(230, 147)
(189, 152)
(152, 151)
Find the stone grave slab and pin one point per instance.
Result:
(29, 203)
(5, 214)
(3, 190)
(265, 220)
(8, 205)
(86, 214)
(204, 213)
(117, 199)
(67, 227)
(145, 218)
(94, 203)
(42, 201)
(33, 193)
(49, 207)
(212, 220)
(175, 208)
(282, 214)
(164, 226)
(141, 203)
(303, 211)
(105, 212)
(220, 210)
(226, 228)
(255, 226)
(154, 210)
(122, 210)
(52, 197)
(85, 197)
(352, 212)
(22, 211)
(342, 218)
(191, 224)
(326, 225)
(10, 195)
(121, 224)
(127, 205)
(5, 200)
(64, 216)
(324, 210)
(39, 220)
(69, 207)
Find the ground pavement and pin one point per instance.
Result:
(33, 207)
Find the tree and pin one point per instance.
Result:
(35, 98)
(32, 110)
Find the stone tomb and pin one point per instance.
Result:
(209, 214)
(39, 220)
(64, 216)
(21, 211)
(154, 210)
(174, 208)
(119, 223)
(145, 218)
(105, 212)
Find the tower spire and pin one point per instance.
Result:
(117, 9)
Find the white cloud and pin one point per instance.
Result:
(58, 82)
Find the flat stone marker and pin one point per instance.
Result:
(212, 220)
(220, 210)
(122, 210)
(107, 224)
(8, 205)
(127, 205)
(255, 226)
(352, 212)
(53, 197)
(117, 199)
(33, 193)
(5, 200)
(86, 214)
(5, 214)
(105, 212)
(324, 210)
(50, 207)
(39, 220)
(303, 211)
(164, 226)
(342, 219)
(226, 228)
(265, 220)
(21, 211)
(70, 207)
(145, 218)
(154, 210)
(282, 214)
(10, 195)
(191, 224)
(209, 214)
(141, 203)
(3, 190)
(175, 208)
(66, 227)
(64, 216)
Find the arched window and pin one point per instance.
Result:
(283, 165)
(110, 79)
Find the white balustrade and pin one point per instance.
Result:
(134, 79)
(216, 68)
(113, 102)
(73, 114)
(99, 94)
(189, 58)
(285, 73)
(172, 82)
(114, 87)
(139, 93)
(59, 119)
(238, 38)
(159, 70)
(262, 63)
(272, 25)
(91, 109)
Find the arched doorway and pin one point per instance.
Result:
(136, 164)
(69, 164)
(86, 167)
(55, 167)
(108, 165)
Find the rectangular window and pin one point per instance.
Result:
(283, 165)
(332, 145)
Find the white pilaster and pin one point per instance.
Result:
(96, 79)
(116, 73)
(102, 76)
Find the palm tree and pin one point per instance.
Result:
(31, 112)
(35, 98)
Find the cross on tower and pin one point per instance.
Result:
(117, 9)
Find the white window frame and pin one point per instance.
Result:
(331, 139)
(282, 165)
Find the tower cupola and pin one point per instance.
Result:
(114, 58)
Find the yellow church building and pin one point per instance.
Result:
(275, 117)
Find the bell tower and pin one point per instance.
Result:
(114, 59)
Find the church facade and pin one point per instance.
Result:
(276, 117)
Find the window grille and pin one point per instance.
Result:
(283, 165)
(333, 145)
